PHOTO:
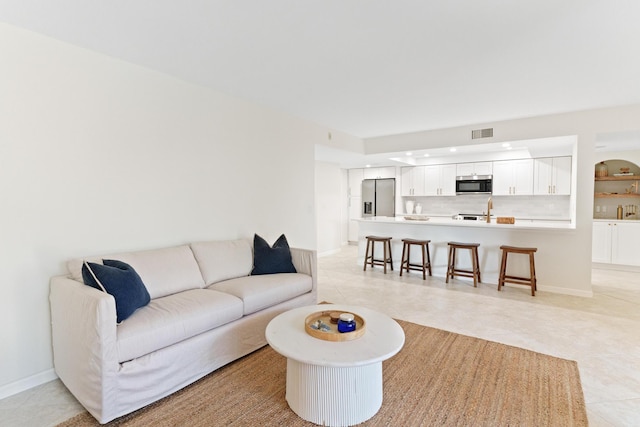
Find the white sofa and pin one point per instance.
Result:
(206, 310)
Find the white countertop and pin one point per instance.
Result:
(521, 224)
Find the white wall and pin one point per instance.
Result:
(98, 155)
(586, 125)
(331, 196)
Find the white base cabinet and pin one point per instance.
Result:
(615, 242)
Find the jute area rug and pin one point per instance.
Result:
(438, 379)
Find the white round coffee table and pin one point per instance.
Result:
(334, 383)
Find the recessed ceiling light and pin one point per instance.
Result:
(409, 153)
(506, 145)
(426, 155)
(452, 149)
(367, 166)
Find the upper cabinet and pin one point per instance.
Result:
(513, 177)
(440, 180)
(552, 176)
(355, 182)
(469, 169)
(378, 173)
(412, 181)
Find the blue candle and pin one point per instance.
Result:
(346, 323)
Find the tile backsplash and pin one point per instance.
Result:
(523, 207)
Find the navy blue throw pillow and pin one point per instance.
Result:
(271, 259)
(120, 280)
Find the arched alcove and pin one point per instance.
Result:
(616, 186)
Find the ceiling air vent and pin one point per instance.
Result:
(482, 133)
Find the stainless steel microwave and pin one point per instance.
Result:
(476, 184)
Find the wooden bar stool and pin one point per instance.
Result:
(369, 258)
(504, 278)
(406, 260)
(475, 263)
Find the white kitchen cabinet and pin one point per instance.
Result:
(615, 242)
(601, 242)
(440, 180)
(355, 213)
(355, 182)
(513, 177)
(624, 246)
(378, 173)
(470, 169)
(552, 176)
(412, 181)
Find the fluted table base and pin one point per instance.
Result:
(334, 383)
(331, 396)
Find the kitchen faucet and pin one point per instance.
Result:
(489, 207)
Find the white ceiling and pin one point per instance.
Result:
(371, 67)
(526, 149)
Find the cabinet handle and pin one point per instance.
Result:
(554, 189)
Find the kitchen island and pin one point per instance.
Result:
(554, 268)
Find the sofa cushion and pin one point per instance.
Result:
(259, 292)
(120, 280)
(163, 271)
(171, 319)
(271, 260)
(222, 260)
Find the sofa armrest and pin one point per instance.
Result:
(305, 261)
(84, 333)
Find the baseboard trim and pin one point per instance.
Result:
(27, 383)
(566, 291)
(617, 267)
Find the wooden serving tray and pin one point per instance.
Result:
(505, 220)
(333, 334)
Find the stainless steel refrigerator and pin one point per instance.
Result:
(379, 197)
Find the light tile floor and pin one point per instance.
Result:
(601, 333)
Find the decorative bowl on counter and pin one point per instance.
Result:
(416, 217)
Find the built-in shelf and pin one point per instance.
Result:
(612, 195)
(618, 178)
